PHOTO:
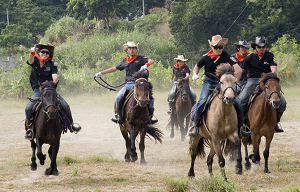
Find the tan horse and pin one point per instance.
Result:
(221, 124)
(183, 105)
(262, 118)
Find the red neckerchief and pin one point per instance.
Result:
(177, 66)
(41, 60)
(240, 57)
(129, 60)
(212, 55)
(255, 52)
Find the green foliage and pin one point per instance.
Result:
(67, 160)
(13, 36)
(177, 185)
(214, 183)
(287, 54)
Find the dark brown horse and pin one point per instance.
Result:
(262, 118)
(182, 108)
(137, 119)
(48, 128)
(220, 125)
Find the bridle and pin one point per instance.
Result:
(229, 87)
(135, 95)
(49, 105)
(269, 96)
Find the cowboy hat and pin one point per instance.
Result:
(50, 48)
(130, 44)
(242, 43)
(260, 41)
(180, 58)
(218, 40)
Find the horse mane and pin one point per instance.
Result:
(266, 77)
(226, 68)
(140, 74)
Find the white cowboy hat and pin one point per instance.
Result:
(218, 40)
(130, 44)
(180, 58)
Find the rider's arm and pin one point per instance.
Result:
(172, 77)
(237, 72)
(110, 70)
(150, 61)
(274, 69)
(30, 58)
(54, 78)
(187, 75)
(196, 70)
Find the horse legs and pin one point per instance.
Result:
(40, 154)
(266, 154)
(238, 166)
(133, 153)
(142, 146)
(247, 164)
(210, 160)
(187, 124)
(127, 143)
(218, 151)
(194, 141)
(53, 150)
(255, 157)
(180, 123)
(172, 125)
(33, 165)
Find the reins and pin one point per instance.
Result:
(47, 106)
(268, 97)
(110, 87)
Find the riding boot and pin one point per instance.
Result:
(29, 132)
(119, 118)
(73, 128)
(277, 128)
(171, 103)
(152, 121)
(241, 132)
(193, 130)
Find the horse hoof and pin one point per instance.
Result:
(49, 171)
(172, 135)
(247, 166)
(266, 171)
(55, 172)
(133, 159)
(238, 171)
(33, 168)
(143, 162)
(191, 174)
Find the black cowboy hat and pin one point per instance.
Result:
(50, 48)
(242, 43)
(260, 41)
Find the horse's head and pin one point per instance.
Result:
(269, 83)
(227, 83)
(141, 92)
(49, 98)
(183, 88)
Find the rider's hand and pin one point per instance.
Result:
(32, 49)
(171, 81)
(143, 68)
(195, 77)
(98, 74)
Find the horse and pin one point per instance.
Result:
(48, 128)
(181, 110)
(137, 118)
(220, 126)
(262, 118)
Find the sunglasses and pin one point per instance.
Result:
(259, 47)
(46, 52)
(218, 47)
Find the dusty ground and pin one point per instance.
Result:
(102, 138)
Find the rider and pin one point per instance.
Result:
(180, 69)
(132, 63)
(242, 51)
(258, 62)
(43, 69)
(216, 56)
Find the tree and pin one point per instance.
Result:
(7, 4)
(273, 18)
(13, 36)
(193, 22)
(100, 9)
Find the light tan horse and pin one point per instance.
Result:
(262, 118)
(221, 124)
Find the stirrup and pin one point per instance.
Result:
(153, 121)
(194, 132)
(75, 129)
(278, 129)
(246, 133)
(29, 134)
(117, 120)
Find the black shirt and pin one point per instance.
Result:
(39, 74)
(181, 72)
(132, 67)
(210, 66)
(258, 66)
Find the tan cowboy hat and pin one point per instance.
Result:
(50, 48)
(130, 44)
(218, 40)
(180, 58)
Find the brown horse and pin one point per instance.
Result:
(48, 128)
(181, 110)
(262, 118)
(220, 125)
(137, 119)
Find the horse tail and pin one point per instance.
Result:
(228, 147)
(200, 148)
(155, 133)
